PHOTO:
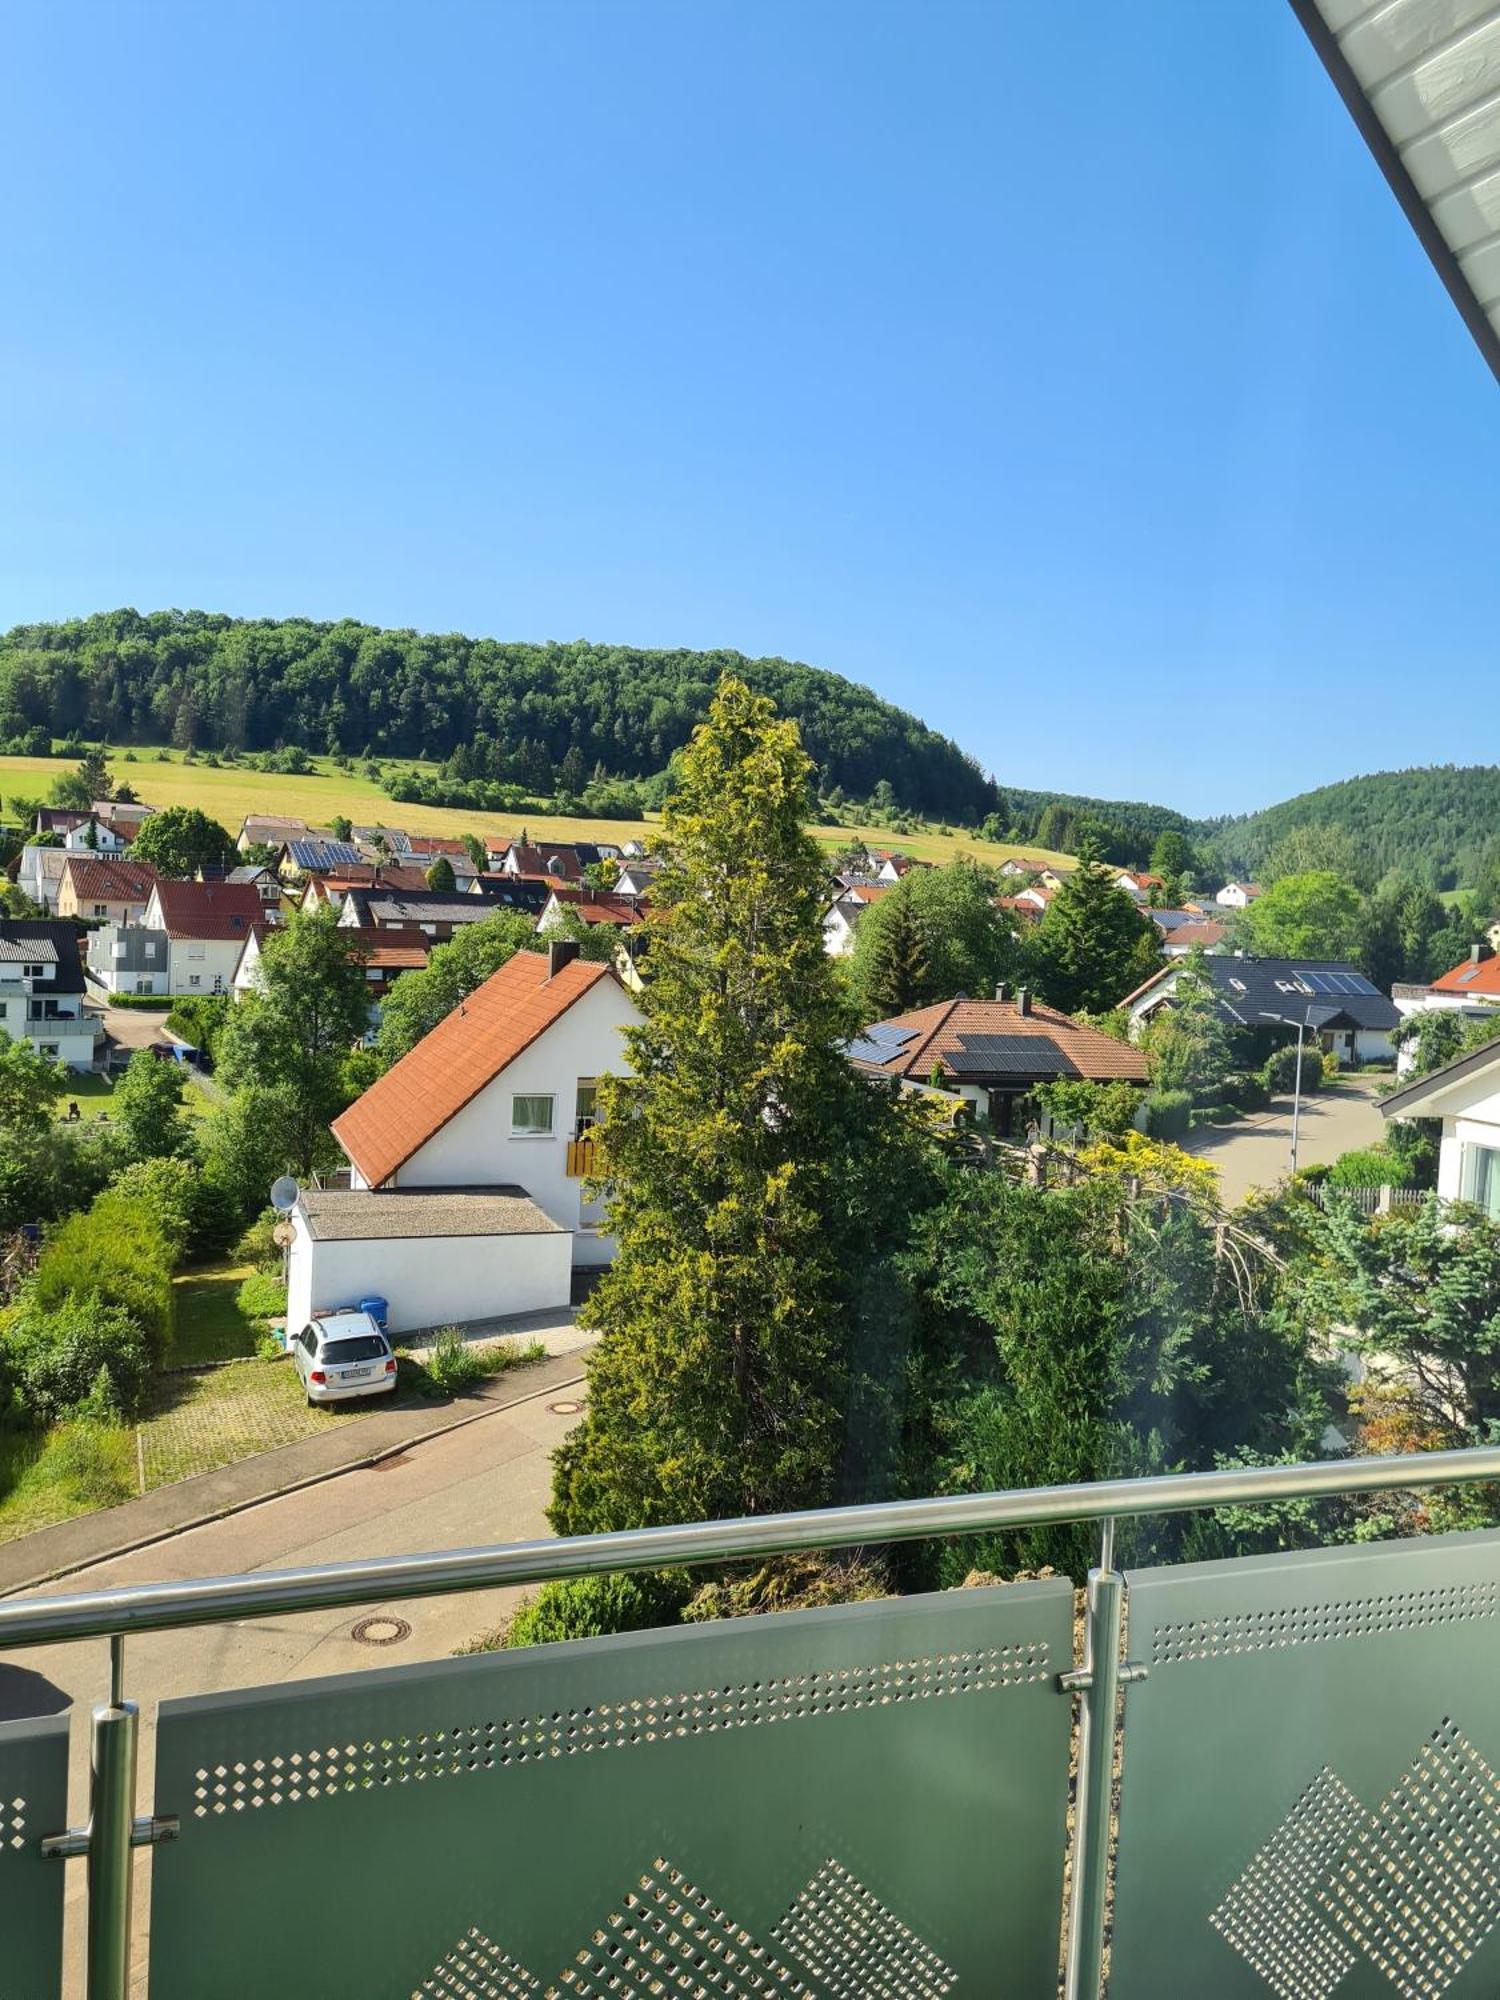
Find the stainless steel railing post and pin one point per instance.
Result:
(110, 1843)
(1098, 1687)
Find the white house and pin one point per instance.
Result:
(1337, 1008)
(1465, 1095)
(841, 918)
(206, 925)
(1237, 895)
(497, 1103)
(39, 875)
(41, 993)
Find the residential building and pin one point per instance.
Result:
(124, 817)
(39, 874)
(1465, 1096)
(841, 918)
(269, 830)
(128, 958)
(1138, 886)
(1237, 895)
(381, 843)
(206, 925)
(565, 860)
(1336, 1005)
(108, 888)
(42, 992)
(83, 831)
(1196, 934)
(332, 888)
(636, 875)
(437, 913)
(617, 912)
(315, 855)
(993, 1054)
(384, 955)
(468, 1157)
(267, 884)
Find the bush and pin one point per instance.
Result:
(257, 1245)
(1213, 1114)
(1169, 1113)
(591, 1607)
(451, 1362)
(170, 1190)
(1280, 1072)
(146, 1003)
(262, 1296)
(79, 1355)
(1372, 1167)
(1246, 1090)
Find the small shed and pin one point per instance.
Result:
(438, 1255)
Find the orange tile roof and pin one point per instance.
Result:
(1467, 977)
(433, 1082)
(1095, 1056)
(209, 910)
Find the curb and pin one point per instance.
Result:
(207, 1519)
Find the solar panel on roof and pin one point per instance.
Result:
(880, 1044)
(1009, 1055)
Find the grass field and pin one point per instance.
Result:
(210, 1325)
(228, 794)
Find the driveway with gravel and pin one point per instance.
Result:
(1256, 1152)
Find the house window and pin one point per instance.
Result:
(101, 909)
(197, 951)
(531, 1117)
(586, 1106)
(150, 948)
(1480, 1179)
(195, 979)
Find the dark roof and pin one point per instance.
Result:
(62, 937)
(511, 892)
(323, 856)
(385, 907)
(977, 1041)
(1322, 992)
(1438, 1079)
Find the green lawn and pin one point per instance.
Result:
(74, 1469)
(210, 1326)
(92, 1094)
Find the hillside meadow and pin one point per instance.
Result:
(229, 793)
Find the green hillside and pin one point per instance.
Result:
(1440, 823)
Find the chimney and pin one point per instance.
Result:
(1480, 953)
(1023, 1000)
(1002, 991)
(561, 952)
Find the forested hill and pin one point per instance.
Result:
(201, 679)
(1441, 823)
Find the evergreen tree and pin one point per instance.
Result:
(1093, 945)
(745, 1158)
(440, 878)
(897, 973)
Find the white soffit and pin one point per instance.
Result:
(1421, 78)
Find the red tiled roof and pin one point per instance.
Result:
(435, 844)
(209, 910)
(433, 1082)
(605, 909)
(97, 879)
(1467, 977)
(366, 875)
(1097, 1057)
(1208, 933)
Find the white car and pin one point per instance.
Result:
(342, 1354)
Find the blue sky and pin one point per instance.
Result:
(1066, 374)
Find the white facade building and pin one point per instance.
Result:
(1465, 1096)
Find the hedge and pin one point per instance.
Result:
(1168, 1113)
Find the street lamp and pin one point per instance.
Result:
(1301, 1027)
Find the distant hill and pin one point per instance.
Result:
(203, 679)
(1440, 822)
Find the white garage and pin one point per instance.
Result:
(439, 1256)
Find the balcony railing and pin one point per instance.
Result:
(584, 1155)
(868, 1799)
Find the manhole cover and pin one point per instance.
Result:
(566, 1408)
(381, 1630)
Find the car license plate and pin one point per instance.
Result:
(357, 1374)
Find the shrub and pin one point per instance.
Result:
(262, 1296)
(257, 1244)
(170, 1191)
(1371, 1167)
(79, 1355)
(591, 1607)
(1246, 1090)
(1168, 1113)
(1280, 1072)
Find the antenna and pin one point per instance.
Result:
(284, 1195)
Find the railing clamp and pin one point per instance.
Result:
(1077, 1680)
(150, 1830)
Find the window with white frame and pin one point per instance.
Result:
(1480, 1179)
(531, 1117)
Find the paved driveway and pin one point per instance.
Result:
(1256, 1153)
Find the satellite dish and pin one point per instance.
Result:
(284, 1195)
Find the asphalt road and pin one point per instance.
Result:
(1257, 1151)
(486, 1483)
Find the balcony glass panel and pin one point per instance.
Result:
(33, 1803)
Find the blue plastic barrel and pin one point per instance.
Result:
(378, 1309)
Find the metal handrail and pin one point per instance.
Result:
(154, 1607)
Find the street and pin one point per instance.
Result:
(1256, 1152)
(488, 1482)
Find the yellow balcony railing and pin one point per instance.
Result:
(584, 1156)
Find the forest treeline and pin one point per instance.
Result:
(202, 680)
(1439, 823)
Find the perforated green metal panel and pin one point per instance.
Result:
(1309, 1803)
(33, 1803)
(862, 1800)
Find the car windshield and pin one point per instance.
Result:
(363, 1347)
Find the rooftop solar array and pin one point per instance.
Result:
(1009, 1055)
(1335, 982)
(880, 1044)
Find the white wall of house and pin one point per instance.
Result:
(202, 965)
(70, 1037)
(1476, 1126)
(479, 1147)
(428, 1280)
(838, 933)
